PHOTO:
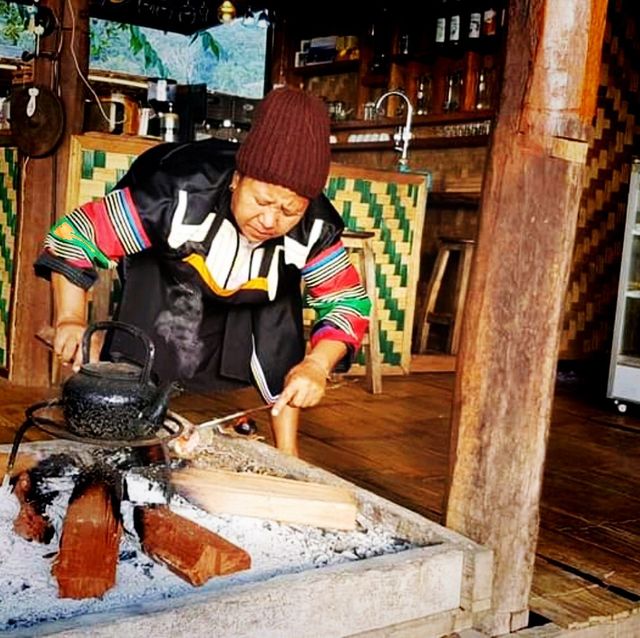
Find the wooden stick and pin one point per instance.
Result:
(23, 463)
(186, 548)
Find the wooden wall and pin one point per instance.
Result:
(592, 291)
(591, 296)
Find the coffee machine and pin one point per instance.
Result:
(161, 119)
(175, 110)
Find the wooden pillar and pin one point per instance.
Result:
(43, 187)
(511, 331)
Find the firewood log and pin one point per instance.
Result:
(31, 523)
(189, 550)
(86, 563)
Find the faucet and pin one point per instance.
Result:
(404, 135)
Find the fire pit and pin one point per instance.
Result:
(396, 567)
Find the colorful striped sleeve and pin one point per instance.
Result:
(97, 234)
(335, 292)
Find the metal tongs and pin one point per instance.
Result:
(230, 417)
(242, 413)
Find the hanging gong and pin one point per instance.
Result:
(37, 120)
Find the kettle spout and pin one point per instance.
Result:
(155, 413)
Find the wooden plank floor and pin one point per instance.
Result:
(396, 444)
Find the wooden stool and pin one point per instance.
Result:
(360, 242)
(454, 318)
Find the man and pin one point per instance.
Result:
(213, 250)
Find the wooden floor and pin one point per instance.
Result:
(396, 444)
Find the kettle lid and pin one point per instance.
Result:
(121, 370)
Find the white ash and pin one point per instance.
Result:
(29, 594)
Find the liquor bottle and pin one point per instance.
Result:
(442, 25)
(405, 40)
(474, 31)
(490, 22)
(482, 92)
(455, 28)
(423, 95)
(380, 35)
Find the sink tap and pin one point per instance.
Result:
(404, 135)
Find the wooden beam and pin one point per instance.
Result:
(270, 497)
(43, 189)
(189, 550)
(511, 330)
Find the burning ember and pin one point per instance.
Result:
(30, 583)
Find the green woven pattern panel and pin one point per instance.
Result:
(389, 210)
(8, 219)
(591, 296)
(100, 171)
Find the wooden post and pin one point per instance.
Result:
(43, 181)
(511, 331)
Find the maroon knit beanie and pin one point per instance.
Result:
(288, 143)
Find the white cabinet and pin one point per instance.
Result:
(624, 369)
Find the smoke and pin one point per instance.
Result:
(179, 327)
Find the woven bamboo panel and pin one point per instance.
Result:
(394, 211)
(93, 172)
(390, 204)
(8, 221)
(591, 296)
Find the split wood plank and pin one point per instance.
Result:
(189, 550)
(270, 497)
(575, 602)
(86, 563)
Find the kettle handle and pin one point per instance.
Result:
(134, 331)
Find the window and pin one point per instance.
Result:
(239, 69)
(14, 37)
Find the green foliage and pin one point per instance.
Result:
(208, 43)
(13, 21)
(228, 58)
(109, 39)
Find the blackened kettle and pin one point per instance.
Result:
(114, 400)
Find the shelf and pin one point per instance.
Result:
(418, 142)
(418, 120)
(632, 294)
(327, 68)
(453, 199)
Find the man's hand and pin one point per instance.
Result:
(304, 386)
(67, 343)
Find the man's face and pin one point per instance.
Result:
(264, 211)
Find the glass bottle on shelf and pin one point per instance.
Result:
(474, 24)
(423, 95)
(482, 91)
(454, 40)
(442, 27)
(453, 92)
(489, 35)
(380, 36)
